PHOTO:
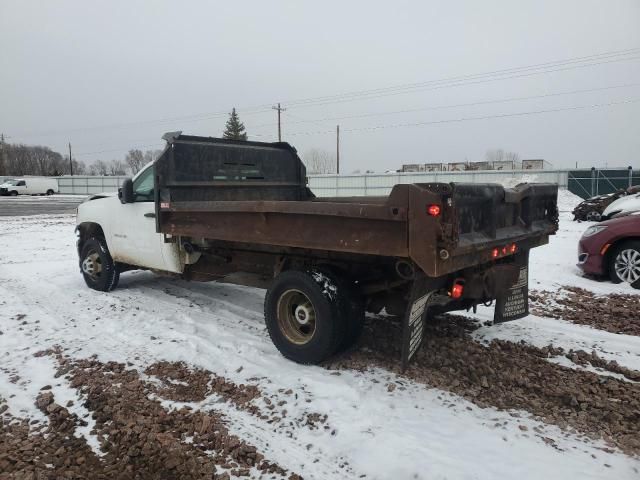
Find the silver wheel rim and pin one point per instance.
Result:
(92, 265)
(296, 317)
(627, 265)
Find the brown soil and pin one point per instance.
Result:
(139, 438)
(615, 313)
(507, 375)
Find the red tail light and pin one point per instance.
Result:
(506, 250)
(433, 210)
(457, 290)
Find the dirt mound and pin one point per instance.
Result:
(510, 376)
(615, 313)
(137, 437)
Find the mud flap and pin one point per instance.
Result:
(414, 320)
(514, 304)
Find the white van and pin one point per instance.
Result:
(30, 186)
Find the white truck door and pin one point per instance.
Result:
(134, 237)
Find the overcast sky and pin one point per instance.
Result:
(109, 76)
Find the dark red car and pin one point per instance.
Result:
(612, 248)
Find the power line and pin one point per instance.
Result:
(455, 105)
(403, 125)
(600, 56)
(448, 82)
(465, 119)
(458, 84)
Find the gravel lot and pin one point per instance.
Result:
(163, 378)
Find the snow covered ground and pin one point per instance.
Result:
(410, 432)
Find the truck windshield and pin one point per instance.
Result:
(11, 181)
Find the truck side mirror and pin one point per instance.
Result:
(125, 193)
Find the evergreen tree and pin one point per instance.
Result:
(234, 129)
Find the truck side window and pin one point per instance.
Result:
(143, 186)
(21, 183)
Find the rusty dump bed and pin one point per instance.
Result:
(255, 194)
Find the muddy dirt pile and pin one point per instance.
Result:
(137, 437)
(510, 376)
(615, 313)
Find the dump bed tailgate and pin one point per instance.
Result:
(476, 219)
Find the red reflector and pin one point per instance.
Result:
(433, 210)
(495, 252)
(513, 248)
(456, 290)
(504, 250)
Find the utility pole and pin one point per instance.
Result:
(338, 149)
(70, 161)
(279, 109)
(3, 163)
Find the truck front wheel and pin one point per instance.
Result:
(97, 266)
(303, 317)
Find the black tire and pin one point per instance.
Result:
(314, 291)
(50, 192)
(14, 193)
(633, 245)
(98, 260)
(593, 216)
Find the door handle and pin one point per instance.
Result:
(150, 215)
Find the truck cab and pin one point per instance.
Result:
(128, 228)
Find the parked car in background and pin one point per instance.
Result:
(612, 248)
(592, 209)
(622, 206)
(30, 186)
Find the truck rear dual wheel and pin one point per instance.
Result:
(307, 314)
(98, 268)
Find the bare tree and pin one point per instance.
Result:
(31, 160)
(117, 167)
(495, 155)
(512, 156)
(319, 161)
(135, 159)
(99, 167)
(151, 155)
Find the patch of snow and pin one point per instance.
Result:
(412, 432)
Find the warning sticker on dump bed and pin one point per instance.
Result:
(515, 304)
